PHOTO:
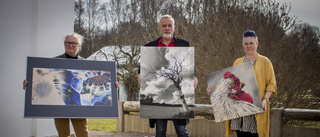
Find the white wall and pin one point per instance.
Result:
(28, 28)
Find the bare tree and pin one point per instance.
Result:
(93, 13)
(79, 17)
(174, 74)
(128, 69)
(302, 58)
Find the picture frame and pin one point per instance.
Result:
(234, 92)
(167, 83)
(70, 88)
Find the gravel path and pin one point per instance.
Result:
(119, 134)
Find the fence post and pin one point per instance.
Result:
(276, 122)
(120, 120)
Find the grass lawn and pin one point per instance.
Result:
(102, 124)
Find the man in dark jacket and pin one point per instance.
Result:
(166, 29)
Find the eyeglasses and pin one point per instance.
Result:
(71, 43)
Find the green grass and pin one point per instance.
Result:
(109, 125)
(102, 124)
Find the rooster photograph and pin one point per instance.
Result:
(234, 93)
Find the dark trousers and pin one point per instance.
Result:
(246, 134)
(161, 128)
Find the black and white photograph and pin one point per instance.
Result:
(71, 88)
(234, 92)
(167, 82)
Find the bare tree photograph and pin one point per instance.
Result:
(167, 82)
(234, 92)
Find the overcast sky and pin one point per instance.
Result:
(159, 88)
(306, 10)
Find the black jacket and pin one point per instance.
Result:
(177, 43)
(65, 55)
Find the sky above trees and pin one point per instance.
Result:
(306, 10)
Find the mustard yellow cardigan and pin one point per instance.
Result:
(266, 82)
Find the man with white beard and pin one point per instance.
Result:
(166, 29)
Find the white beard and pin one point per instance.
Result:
(167, 36)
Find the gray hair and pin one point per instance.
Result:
(166, 16)
(75, 35)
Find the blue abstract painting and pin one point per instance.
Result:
(71, 87)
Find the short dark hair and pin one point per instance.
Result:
(250, 33)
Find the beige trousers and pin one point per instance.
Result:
(80, 126)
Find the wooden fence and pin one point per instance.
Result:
(208, 128)
(278, 116)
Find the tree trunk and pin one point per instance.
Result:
(184, 103)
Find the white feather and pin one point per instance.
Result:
(225, 108)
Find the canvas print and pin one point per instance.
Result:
(71, 88)
(234, 92)
(167, 82)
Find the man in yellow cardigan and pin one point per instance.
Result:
(259, 123)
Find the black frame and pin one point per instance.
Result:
(68, 111)
(151, 110)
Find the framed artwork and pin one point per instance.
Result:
(70, 88)
(234, 92)
(167, 82)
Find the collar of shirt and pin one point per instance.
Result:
(247, 60)
(171, 44)
(68, 56)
